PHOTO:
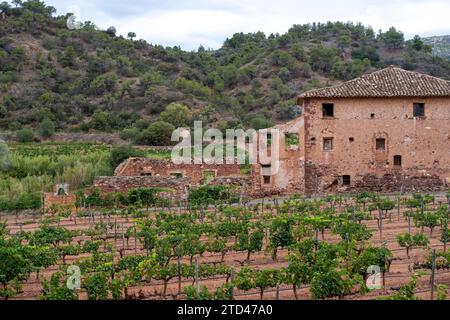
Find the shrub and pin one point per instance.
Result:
(25, 135)
(122, 152)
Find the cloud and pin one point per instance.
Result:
(190, 23)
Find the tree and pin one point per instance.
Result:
(177, 114)
(111, 31)
(408, 241)
(122, 152)
(14, 267)
(131, 35)
(96, 286)
(260, 122)
(393, 39)
(47, 128)
(280, 233)
(25, 135)
(333, 283)
(158, 133)
(68, 57)
(321, 58)
(266, 279)
(17, 3)
(56, 288)
(429, 220)
(101, 121)
(417, 43)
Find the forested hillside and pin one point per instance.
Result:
(56, 79)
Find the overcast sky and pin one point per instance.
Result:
(190, 23)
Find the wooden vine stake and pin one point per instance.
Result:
(135, 239)
(197, 283)
(123, 237)
(380, 218)
(179, 274)
(433, 271)
(232, 283)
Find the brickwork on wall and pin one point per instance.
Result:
(49, 199)
(422, 143)
(194, 172)
(175, 188)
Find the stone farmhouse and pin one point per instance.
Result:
(387, 131)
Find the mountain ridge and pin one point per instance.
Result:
(93, 80)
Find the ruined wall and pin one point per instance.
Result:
(288, 177)
(49, 199)
(194, 172)
(422, 143)
(175, 189)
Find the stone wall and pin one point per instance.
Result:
(49, 199)
(161, 168)
(175, 189)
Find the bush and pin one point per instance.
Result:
(158, 134)
(177, 114)
(123, 152)
(47, 128)
(25, 135)
(208, 195)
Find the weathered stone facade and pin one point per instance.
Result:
(196, 173)
(174, 188)
(52, 199)
(376, 142)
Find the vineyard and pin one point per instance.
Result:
(211, 248)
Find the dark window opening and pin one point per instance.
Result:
(328, 110)
(381, 144)
(372, 116)
(346, 180)
(266, 166)
(266, 179)
(61, 192)
(177, 175)
(419, 110)
(327, 144)
(351, 139)
(146, 174)
(398, 161)
(247, 139)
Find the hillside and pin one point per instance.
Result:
(56, 79)
(440, 45)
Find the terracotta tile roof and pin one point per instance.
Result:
(389, 82)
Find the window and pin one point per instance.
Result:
(346, 180)
(208, 176)
(351, 139)
(372, 116)
(266, 179)
(328, 110)
(266, 166)
(327, 144)
(419, 110)
(146, 174)
(398, 161)
(381, 144)
(177, 175)
(291, 139)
